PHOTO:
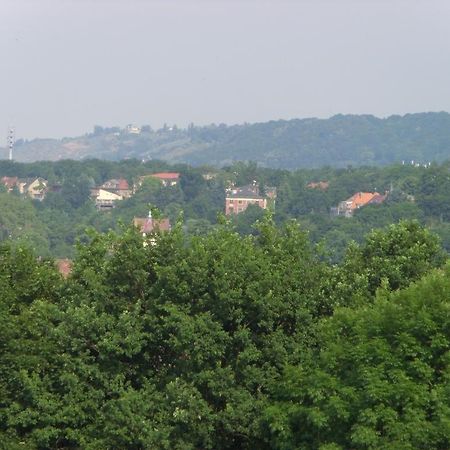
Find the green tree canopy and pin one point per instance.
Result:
(380, 380)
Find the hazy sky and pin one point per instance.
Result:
(67, 65)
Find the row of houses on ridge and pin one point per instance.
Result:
(36, 188)
(114, 190)
(237, 198)
(105, 196)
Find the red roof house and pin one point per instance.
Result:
(347, 207)
(167, 178)
(10, 182)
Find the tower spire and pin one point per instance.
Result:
(10, 140)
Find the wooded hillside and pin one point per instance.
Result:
(340, 141)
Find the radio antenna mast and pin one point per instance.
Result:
(10, 142)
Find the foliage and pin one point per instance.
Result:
(393, 258)
(381, 379)
(19, 223)
(198, 343)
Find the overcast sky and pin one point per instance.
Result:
(68, 65)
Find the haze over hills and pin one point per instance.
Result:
(339, 141)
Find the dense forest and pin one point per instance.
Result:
(223, 341)
(52, 226)
(339, 141)
(272, 329)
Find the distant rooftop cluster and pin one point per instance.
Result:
(36, 188)
(114, 190)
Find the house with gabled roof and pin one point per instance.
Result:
(118, 186)
(110, 192)
(238, 199)
(347, 207)
(106, 200)
(37, 189)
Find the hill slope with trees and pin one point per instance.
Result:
(53, 225)
(339, 141)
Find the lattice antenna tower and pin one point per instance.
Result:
(10, 140)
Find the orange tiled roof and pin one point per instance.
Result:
(360, 199)
(122, 184)
(166, 175)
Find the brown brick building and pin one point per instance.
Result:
(238, 199)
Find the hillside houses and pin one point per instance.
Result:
(238, 199)
(133, 129)
(166, 178)
(36, 188)
(118, 186)
(347, 207)
(106, 200)
(114, 190)
(110, 192)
